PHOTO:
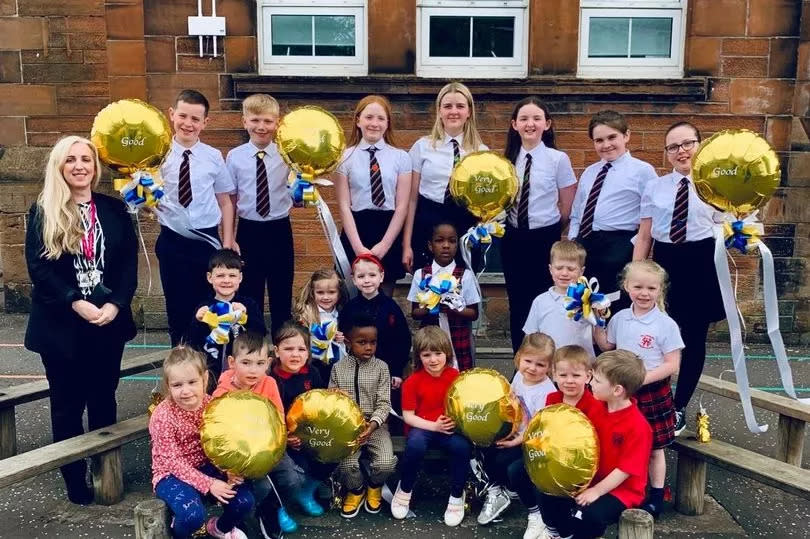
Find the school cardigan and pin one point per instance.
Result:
(53, 324)
(290, 385)
(393, 333)
(368, 383)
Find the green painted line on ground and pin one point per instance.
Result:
(161, 346)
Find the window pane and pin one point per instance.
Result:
(334, 35)
(493, 37)
(651, 37)
(449, 36)
(608, 37)
(292, 35)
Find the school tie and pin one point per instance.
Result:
(677, 230)
(586, 227)
(523, 207)
(184, 186)
(262, 190)
(377, 192)
(456, 158)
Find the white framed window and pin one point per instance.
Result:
(313, 37)
(631, 38)
(472, 38)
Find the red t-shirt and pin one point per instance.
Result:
(587, 404)
(424, 394)
(625, 442)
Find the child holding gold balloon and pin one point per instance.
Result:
(181, 472)
(646, 330)
(298, 475)
(531, 385)
(423, 408)
(433, 157)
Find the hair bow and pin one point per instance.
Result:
(221, 318)
(583, 300)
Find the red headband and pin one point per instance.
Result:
(368, 257)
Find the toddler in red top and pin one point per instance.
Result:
(181, 473)
(625, 442)
(423, 395)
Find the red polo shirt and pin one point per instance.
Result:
(424, 394)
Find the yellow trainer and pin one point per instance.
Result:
(352, 503)
(373, 500)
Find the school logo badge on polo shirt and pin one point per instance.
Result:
(646, 341)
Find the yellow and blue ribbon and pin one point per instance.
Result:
(303, 192)
(583, 301)
(141, 189)
(482, 233)
(741, 235)
(221, 318)
(321, 337)
(433, 288)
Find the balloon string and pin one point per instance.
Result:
(135, 212)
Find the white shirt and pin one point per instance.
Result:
(551, 171)
(468, 289)
(355, 166)
(209, 177)
(436, 164)
(241, 162)
(532, 398)
(658, 203)
(548, 315)
(619, 203)
(649, 336)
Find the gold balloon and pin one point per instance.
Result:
(311, 141)
(561, 450)
(328, 422)
(736, 171)
(131, 135)
(483, 406)
(485, 183)
(243, 433)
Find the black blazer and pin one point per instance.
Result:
(53, 326)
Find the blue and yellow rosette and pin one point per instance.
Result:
(482, 233)
(742, 235)
(143, 188)
(321, 337)
(221, 317)
(583, 301)
(435, 288)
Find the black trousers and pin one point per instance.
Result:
(428, 213)
(608, 253)
(269, 257)
(79, 379)
(525, 255)
(592, 520)
(183, 265)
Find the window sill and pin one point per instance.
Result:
(553, 87)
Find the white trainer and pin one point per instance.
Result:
(496, 503)
(535, 529)
(454, 513)
(400, 504)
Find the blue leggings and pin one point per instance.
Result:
(188, 508)
(455, 445)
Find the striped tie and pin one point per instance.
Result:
(523, 207)
(262, 190)
(456, 158)
(586, 227)
(677, 230)
(184, 195)
(377, 192)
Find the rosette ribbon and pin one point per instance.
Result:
(140, 189)
(437, 290)
(482, 233)
(305, 194)
(321, 338)
(583, 301)
(749, 230)
(221, 318)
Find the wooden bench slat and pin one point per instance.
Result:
(32, 391)
(38, 461)
(761, 399)
(763, 469)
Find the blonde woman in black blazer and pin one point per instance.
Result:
(82, 257)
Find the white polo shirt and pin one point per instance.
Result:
(619, 203)
(209, 177)
(658, 204)
(548, 315)
(533, 398)
(241, 162)
(468, 289)
(355, 166)
(436, 164)
(649, 336)
(550, 171)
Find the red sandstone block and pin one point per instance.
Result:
(81, 105)
(742, 66)
(745, 47)
(52, 56)
(95, 57)
(783, 59)
(774, 17)
(160, 54)
(86, 24)
(35, 73)
(225, 120)
(21, 33)
(12, 131)
(164, 87)
(126, 57)
(758, 96)
(718, 17)
(240, 54)
(719, 89)
(10, 68)
(87, 41)
(8, 7)
(206, 64)
(777, 131)
(59, 123)
(62, 7)
(703, 55)
(46, 139)
(124, 21)
(28, 100)
(128, 88)
(96, 88)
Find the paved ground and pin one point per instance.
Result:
(36, 508)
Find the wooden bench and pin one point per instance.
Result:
(693, 457)
(104, 445)
(10, 397)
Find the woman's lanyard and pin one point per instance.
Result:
(89, 236)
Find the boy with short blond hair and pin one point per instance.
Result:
(547, 314)
(264, 233)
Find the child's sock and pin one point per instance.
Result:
(657, 496)
(495, 490)
(534, 509)
(457, 500)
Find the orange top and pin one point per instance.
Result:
(266, 387)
